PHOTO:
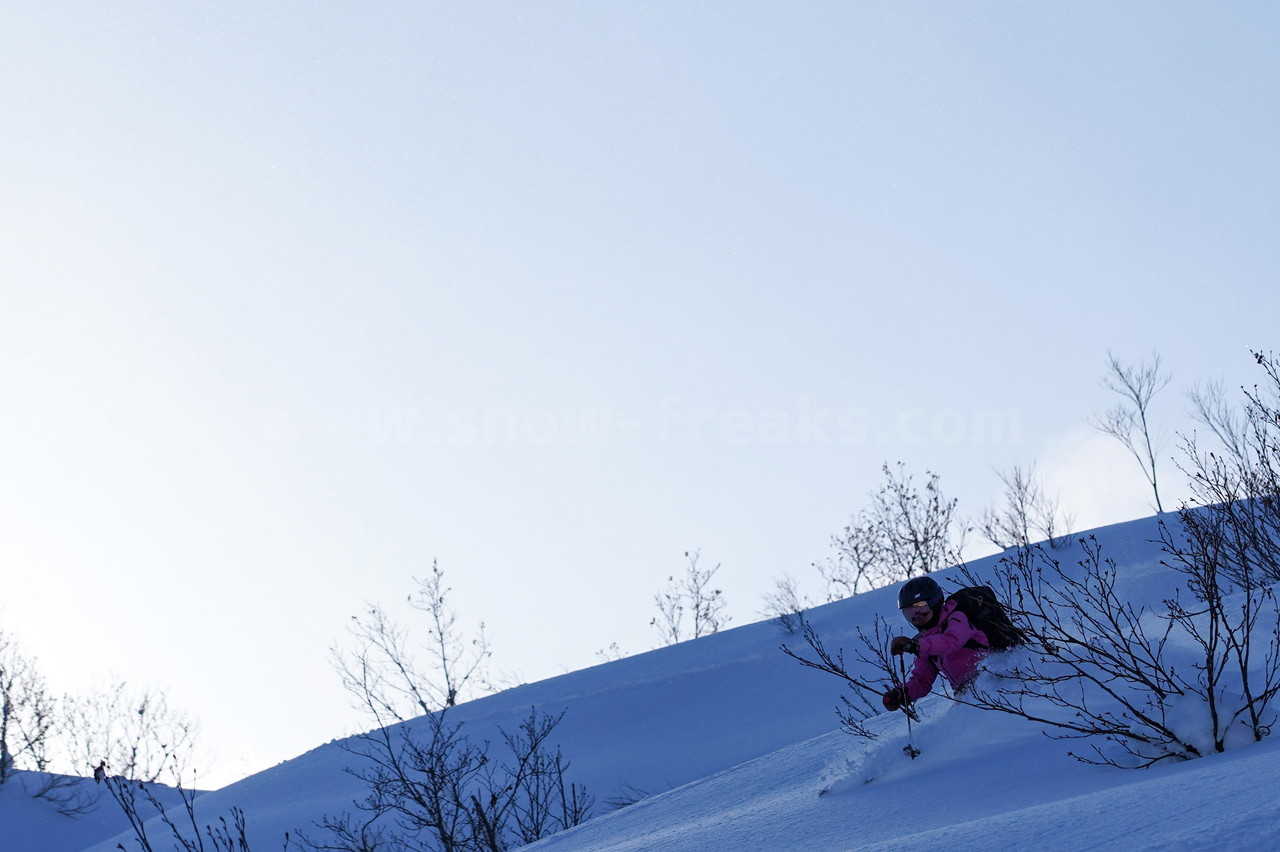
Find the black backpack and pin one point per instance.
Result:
(985, 612)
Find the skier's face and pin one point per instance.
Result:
(918, 613)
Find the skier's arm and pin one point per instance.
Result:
(923, 674)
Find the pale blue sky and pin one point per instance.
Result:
(298, 297)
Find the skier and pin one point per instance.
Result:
(947, 643)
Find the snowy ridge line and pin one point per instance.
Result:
(740, 739)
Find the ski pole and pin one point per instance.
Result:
(909, 750)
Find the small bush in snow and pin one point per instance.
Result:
(1129, 421)
(133, 731)
(1026, 514)
(27, 712)
(430, 786)
(904, 533)
(388, 677)
(1238, 483)
(1139, 685)
(875, 673)
(689, 607)
(141, 802)
(784, 606)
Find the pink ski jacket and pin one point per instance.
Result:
(952, 648)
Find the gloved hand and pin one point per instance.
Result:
(902, 643)
(894, 698)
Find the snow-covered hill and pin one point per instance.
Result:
(733, 742)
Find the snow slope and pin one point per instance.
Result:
(733, 742)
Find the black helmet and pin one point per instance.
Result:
(920, 589)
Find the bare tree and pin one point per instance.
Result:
(27, 712)
(918, 529)
(1026, 514)
(858, 561)
(784, 605)
(1230, 489)
(1210, 408)
(140, 802)
(1101, 674)
(876, 673)
(136, 732)
(457, 662)
(1106, 672)
(903, 533)
(390, 680)
(133, 732)
(612, 653)
(1128, 422)
(531, 795)
(1225, 608)
(430, 786)
(689, 607)
(1240, 482)
(30, 732)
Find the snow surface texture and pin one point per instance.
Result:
(733, 743)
